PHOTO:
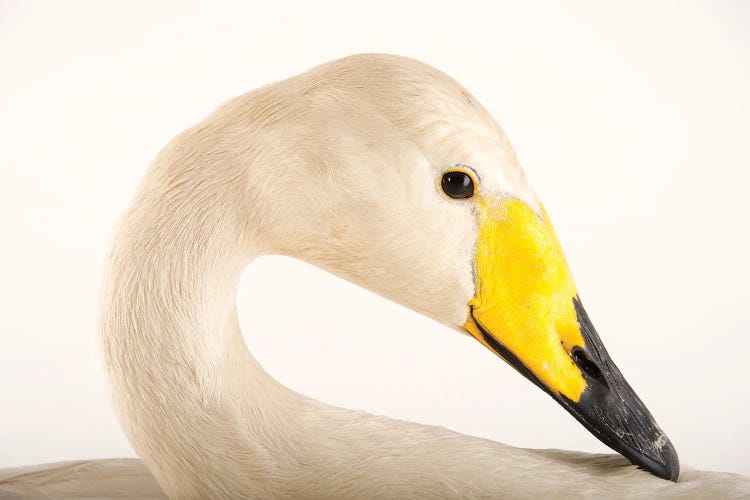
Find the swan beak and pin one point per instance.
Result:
(527, 311)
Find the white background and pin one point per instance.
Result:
(632, 120)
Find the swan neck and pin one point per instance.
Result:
(178, 366)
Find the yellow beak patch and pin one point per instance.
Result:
(524, 294)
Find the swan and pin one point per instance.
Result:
(386, 172)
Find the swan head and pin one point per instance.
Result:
(397, 179)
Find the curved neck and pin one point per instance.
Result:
(186, 390)
(209, 422)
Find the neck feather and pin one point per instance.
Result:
(189, 395)
(206, 418)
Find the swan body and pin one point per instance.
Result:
(339, 167)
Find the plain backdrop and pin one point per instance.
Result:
(631, 119)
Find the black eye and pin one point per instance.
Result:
(457, 184)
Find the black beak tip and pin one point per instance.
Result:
(663, 464)
(612, 411)
(647, 447)
(669, 465)
(608, 407)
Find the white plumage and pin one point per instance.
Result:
(298, 168)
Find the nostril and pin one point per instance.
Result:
(586, 364)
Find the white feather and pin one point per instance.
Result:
(338, 167)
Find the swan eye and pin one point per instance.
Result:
(458, 184)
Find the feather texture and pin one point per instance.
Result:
(294, 168)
